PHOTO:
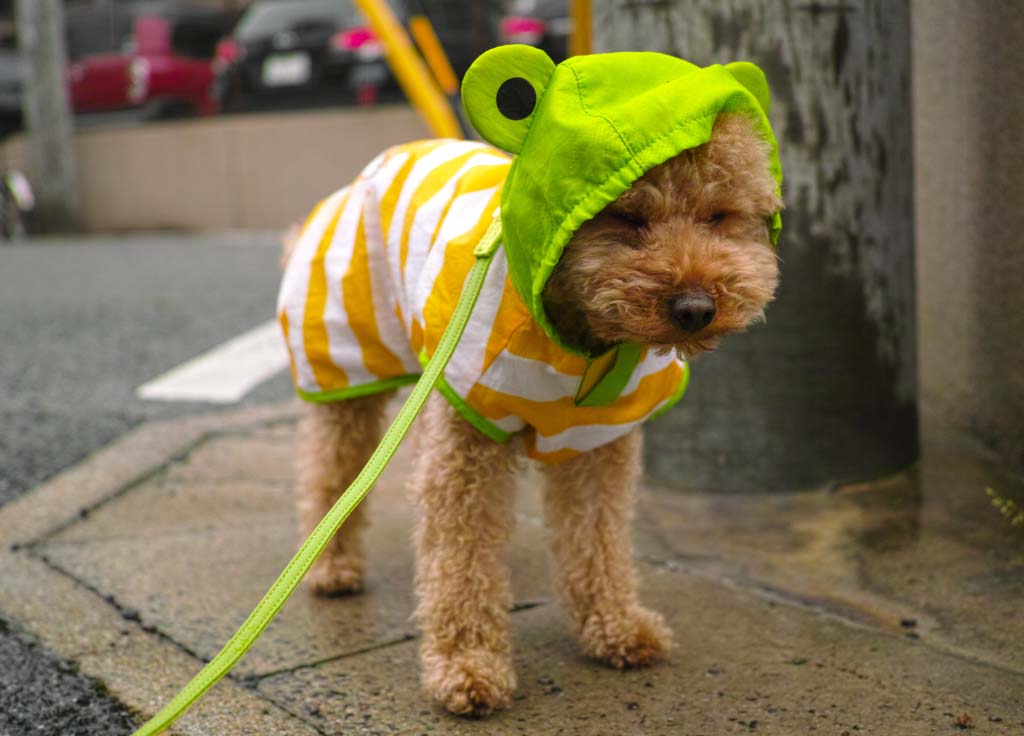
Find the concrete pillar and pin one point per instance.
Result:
(969, 147)
(825, 393)
(40, 25)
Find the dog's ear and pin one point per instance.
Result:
(751, 77)
(501, 91)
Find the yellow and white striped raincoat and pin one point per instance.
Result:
(376, 275)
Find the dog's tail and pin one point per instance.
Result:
(289, 241)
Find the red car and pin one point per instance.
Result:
(164, 67)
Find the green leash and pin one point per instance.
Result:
(292, 575)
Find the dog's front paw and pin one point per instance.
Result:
(634, 637)
(472, 683)
(334, 576)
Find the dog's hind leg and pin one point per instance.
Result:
(588, 508)
(336, 440)
(463, 486)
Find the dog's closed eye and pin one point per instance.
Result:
(631, 219)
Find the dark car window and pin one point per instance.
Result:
(539, 8)
(10, 68)
(197, 38)
(194, 33)
(265, 19)
(91, 31)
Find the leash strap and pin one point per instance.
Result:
(292, 575)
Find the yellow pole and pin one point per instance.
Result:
(582, 23)
(430, 46)
(416, 81)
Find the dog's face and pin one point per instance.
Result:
(680, 259)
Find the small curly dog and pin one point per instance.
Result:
(681, 258)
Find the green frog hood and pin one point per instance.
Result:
(583, 131)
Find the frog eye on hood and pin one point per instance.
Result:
(501, 91)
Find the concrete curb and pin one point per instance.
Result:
(81, 625)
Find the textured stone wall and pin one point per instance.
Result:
(826, 392)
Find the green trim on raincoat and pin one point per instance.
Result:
(610, 385)
(355, 392)
(466, 411)
(585, 130)
(677, 395)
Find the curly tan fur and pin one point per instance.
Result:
(463, 486)
(698, 221)
(335, 442)
(588, 509)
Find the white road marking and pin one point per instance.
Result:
(225, 374)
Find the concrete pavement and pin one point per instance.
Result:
(84, 321)
(888, 608)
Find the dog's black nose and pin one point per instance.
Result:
(692, 311)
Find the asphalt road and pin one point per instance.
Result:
(83, 323)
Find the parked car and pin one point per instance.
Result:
(299, 52)
(161, 63)
(545, 24)
(465, 28)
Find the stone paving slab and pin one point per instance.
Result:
(925, 547)
(193, 548)
(108, 473)
(792, 614)
(742, 664)
(138, 666)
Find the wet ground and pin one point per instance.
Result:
(83, 322)
(887, 608)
